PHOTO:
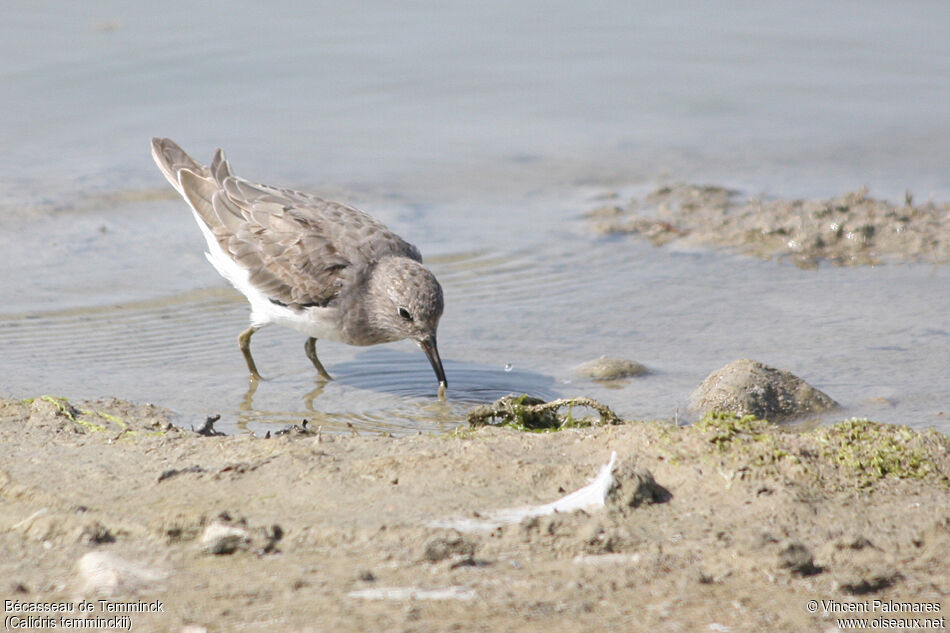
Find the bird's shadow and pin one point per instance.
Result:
(402, 373)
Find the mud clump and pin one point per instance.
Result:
(852, 229)
(56, 413)
(454, 547)
(798, 559)
(634, 486)
(107, 419)
(747, 387)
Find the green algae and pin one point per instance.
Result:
(755, 442)
(71, 413)
(463, 433)
(852, 453)
(78, 416)
(111, 418)
(725, 428)
(871, 450)
(526, 413)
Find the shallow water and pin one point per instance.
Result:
(480, 136)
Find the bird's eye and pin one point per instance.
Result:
(405, 314)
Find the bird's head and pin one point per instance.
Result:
(408, 304)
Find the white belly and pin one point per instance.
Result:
(320, 323)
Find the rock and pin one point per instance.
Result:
(221, 538)
(102, 573)
(207, 429)
(606, 368)
(746, 387)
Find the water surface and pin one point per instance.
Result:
(480, 134)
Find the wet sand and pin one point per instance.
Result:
(853, 229)
(737, 526)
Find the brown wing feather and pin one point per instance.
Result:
(299, 249)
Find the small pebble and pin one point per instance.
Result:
(606, 368)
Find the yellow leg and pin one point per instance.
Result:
(311, 348)
(244, 340)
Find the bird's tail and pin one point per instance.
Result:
(197, 183)
(171, 159)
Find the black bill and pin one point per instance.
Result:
(432, 353)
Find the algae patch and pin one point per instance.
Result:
(726, 428)
(754, 442)
(871, 450)
(852, 453)
(63, 408)
(527, 413)
(108, 417)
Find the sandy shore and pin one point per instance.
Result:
(727, 525)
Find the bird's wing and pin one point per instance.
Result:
(299, 249)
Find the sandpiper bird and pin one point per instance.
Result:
(319, 267)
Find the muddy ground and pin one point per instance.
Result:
(852, 229)
(728, 525)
